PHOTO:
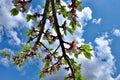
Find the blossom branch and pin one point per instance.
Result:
(60, 38)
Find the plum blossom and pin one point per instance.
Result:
(21, 5)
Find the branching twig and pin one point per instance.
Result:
(45, 47)
(41, 25)
(60, 38)
(57, 48)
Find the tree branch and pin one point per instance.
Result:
(60, 38)
(42, 24)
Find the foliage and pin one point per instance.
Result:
(37, 36)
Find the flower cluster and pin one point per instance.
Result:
(21, 5)
(72, 13)
(32, 34)
(48, 57)
(49, 37)
(51, 67)
(73, 47)
(51, 19)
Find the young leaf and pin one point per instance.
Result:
(39, 56)
(66, 78)
(73, 25)
(14, 12)
(65, 62)
(47, 65)
(55, 53)
(78, 3)
(41, 74)
(87, 51)
(28, 17)
(26, 48)
(64, 11)
(65, 32)
(4, 53)
(29, 32)
(87, 55)
(76, 55)
(71, 31)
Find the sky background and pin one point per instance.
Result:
(100, 21)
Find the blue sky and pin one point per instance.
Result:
(100, 28)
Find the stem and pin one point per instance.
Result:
(45, 47)
(73, 3)
(41, 25)
(60, 38)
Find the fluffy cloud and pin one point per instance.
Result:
(5, 61)
(85, 15)
(101, 67)
(118, 77)
(14, 38)
(10, 23)
(116, 32)
(96, 21)
(1, 33)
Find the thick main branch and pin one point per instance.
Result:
(60, 38)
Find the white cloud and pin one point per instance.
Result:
(85, 15)
(10, 52)
(1, 33)
(116, 32)
(96, 21)
(4, 62)
(14, 38)
(118, 77)
(10, 23)
(101, 67)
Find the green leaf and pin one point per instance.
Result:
(78, 3)
(29, 17)
(14, 12)
(47, 65)
(4, 53)
(55, 53)
(28, 32)
(76, 55)
(25, 48)
(19, 53)
(71, 31)
(66, 78)
(65, 22)
(41, 74)
(64, 61)
(39, 55)
(65, 32)
(50, 41)
(64, 11)
(54, 27)
(20, 65)
(73, 25)
(72, 60)
(86, 50)
(78, 75)
(87, 55)
(78, 24)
